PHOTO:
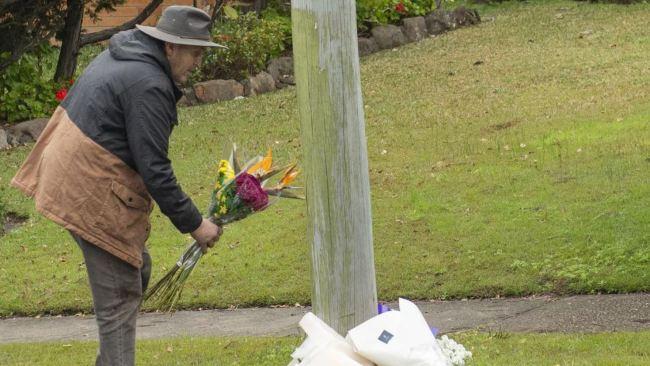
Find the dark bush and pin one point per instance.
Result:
(26, 87)
(251, 40)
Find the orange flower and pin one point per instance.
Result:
(289, 176)
(263, 166)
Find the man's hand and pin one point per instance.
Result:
(207, 234)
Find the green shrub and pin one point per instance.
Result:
(251, 42)
(372, 12)
(86, 55)
(26, 89)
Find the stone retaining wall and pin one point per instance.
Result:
(279, 72)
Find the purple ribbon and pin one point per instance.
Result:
(381, 308)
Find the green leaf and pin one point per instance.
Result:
(230, 12)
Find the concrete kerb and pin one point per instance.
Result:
(583, 314)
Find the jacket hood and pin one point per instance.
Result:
(134, 45)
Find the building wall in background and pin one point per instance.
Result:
(131, 8)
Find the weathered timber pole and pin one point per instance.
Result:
(326, 59)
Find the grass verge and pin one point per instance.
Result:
(605, 349)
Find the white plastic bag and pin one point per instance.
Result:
(324, 346)
(333, 354)
(398, 338)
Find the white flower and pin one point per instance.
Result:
(454, 351)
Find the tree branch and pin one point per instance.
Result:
(218, 5)
(95, 37)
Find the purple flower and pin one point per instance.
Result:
(251, 192)
(381, 308)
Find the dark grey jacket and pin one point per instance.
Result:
(125, 101)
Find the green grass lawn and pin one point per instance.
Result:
(624, 349)
(526, 173)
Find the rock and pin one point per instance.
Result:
(462, 17)
(26, 132)
(367, 46)
(218, 90)
(189, 98)
(281, 69)
(11, 222)
(248, 90)
(266, 82)
(388, 36)
(438, 22)
(285, 80)
(4, 144)
(183, 102)
(415, 29)
(259, 84)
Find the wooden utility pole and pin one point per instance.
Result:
(326, 59)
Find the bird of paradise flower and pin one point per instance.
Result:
(238, 192)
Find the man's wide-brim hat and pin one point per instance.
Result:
(185, 25)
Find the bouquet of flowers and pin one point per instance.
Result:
(392, 338)
(238, 193)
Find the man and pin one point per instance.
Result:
(103, 157)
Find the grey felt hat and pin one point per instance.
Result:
(182, 25)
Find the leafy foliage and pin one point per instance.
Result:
(251, 42)
(371, 12)
(97, 6)
(26, 24)
(26, 89)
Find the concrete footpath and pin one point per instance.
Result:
(597, 313)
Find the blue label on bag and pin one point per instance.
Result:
(385, 336)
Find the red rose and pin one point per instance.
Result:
(61, 94)
(251, 192)
(400, 8)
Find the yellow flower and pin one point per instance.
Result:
(226, 170)
(226, 173)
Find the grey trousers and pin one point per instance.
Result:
(117, 289)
